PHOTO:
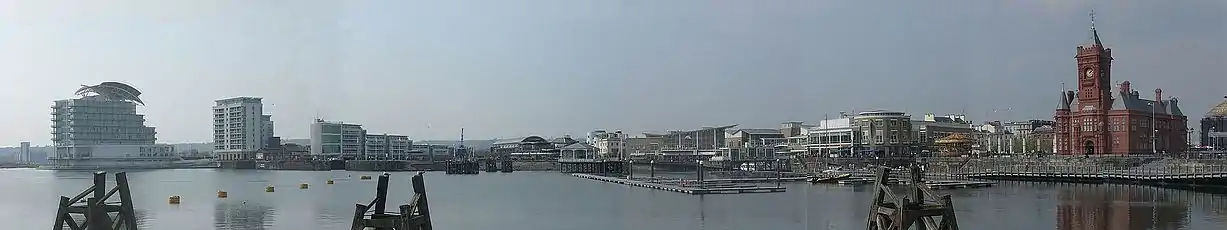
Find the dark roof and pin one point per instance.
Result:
(1064, 104)
(522, 140)
(760, 131)
(690, 131)
(563, 140)
(1131, 101)
(578, 146)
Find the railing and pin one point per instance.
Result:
(1126, 165)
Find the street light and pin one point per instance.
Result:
(779, 172)
(1210, 137)
(1153, 130)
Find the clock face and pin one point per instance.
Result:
(1089, 73)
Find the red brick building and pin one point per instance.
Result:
(1097, 119)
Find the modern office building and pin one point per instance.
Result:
(829, 138)
(386, 147)
(240, 128)
(336, 140)
(102, 130)
(1098, 120)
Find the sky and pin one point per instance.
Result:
(503, 69)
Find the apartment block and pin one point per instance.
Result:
(240, 127)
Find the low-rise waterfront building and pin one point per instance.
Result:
(525, 148)
(885, 134)
(430, 152)
(1214, 127)
(692, 145)
(608, 144)
(745, 144)
(386, 147)
(933, 127)
(830, 138)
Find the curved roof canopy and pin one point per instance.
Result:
(113, 91)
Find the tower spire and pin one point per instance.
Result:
(1094, 33)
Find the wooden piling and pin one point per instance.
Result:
(923, 208)
(95, 209)
(412, 216)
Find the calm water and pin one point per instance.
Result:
(546, 201)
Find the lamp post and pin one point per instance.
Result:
(630, 173)
(701, 183)
(652, 169)
(1153, 130)
(1210, 137)
(779, 172)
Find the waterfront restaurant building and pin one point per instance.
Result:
(525, 148)
(1097, 120)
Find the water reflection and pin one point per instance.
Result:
(242, 215)
(1120, 208)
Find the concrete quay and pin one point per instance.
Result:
(684, 187)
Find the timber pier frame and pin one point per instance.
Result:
(412, 216)
(96, 209)
(923, 209)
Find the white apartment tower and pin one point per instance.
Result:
(101, 130)
(240, 128)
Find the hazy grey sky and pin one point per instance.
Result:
(551, 67)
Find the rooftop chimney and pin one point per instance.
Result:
(1124, 87)
(1159, 95)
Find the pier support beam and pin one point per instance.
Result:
(412, 216)
(96, 210)
(923, 209)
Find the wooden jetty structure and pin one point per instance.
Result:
(923, 209)
(462, 167)
(96, 209)
(507, 166)
(412, 216)
(688, 187)
(491, 165)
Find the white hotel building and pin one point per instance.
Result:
(240, 128)
(101, 130)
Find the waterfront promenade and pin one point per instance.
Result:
(1205, 174)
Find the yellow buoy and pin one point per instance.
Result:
(268, 189)
(365, 178)
(222, 194)
(302, 186)
(329, 181)
(173, 200)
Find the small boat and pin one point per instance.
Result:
(829, 179)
